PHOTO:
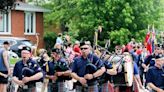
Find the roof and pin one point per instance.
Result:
(27, 7)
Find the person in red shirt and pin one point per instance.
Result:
(76, 49)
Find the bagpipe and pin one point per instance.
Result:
(61, 67)
(90, 69)
(104, 55)
(101, 52)
(28, 71)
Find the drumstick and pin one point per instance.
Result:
(4, 75)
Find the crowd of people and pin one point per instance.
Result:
(80, 67)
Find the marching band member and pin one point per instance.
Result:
(43, 61)
(104, 80)
(150, 60)
(86, 79)
(52, 86)
(155, 76)
(62, 71)
(26, 72)
(104, 83)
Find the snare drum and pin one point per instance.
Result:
(124, 65)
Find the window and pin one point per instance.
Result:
(4, 23)
(30, 23)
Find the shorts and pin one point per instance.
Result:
(3, 80)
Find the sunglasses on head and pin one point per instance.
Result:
(84, 48)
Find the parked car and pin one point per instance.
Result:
(16, 43)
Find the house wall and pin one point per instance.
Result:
(17, 23)
(39, 30)
(17, 27)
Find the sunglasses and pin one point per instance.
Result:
(84, 48)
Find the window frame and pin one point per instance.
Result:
(33, 31)
(7, 23)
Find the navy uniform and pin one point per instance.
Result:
(24, 70)
(103, 81)
(155, 76)
(52, 86)
(79, 67)
(62, 71)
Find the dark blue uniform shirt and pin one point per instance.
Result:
(79, 64)
(30, 64)
(150, 60)
(64, 67)
(155, 76)
(51, 66)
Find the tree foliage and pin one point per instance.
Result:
(121, 19)
(49, 39)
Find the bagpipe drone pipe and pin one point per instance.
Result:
(105, 55)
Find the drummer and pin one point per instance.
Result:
(136, 69)
(136, 73)
(119, 51)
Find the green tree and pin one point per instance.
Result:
(82, 17)
(49, 39)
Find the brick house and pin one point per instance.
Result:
(24, 20)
